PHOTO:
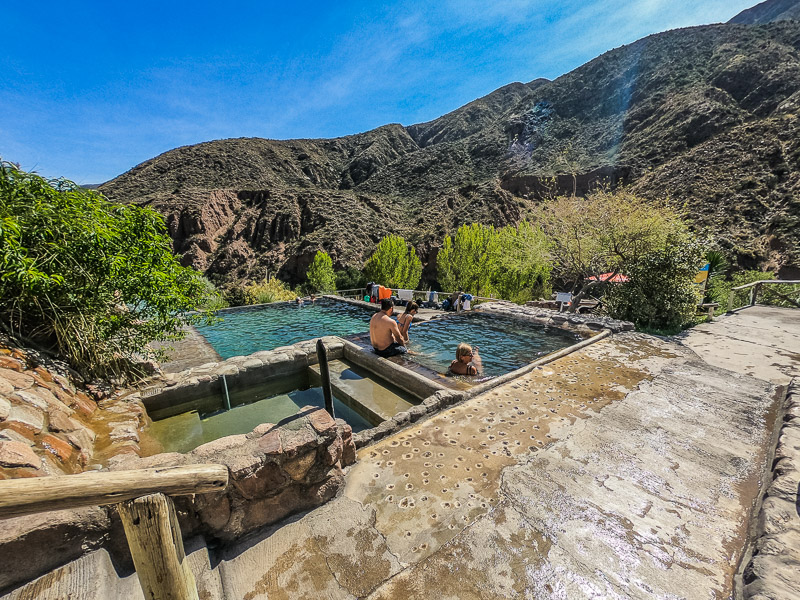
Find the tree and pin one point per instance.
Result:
(320, 277)
(512, 261)
(85, 279)
(660, 293)
(350, 278)
(604, 233)
(467, 261)
(394, 264)
(522, 267)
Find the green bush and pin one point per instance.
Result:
(350, 278)
(265, 292)
(89, 280)
(320, 277)
(212, 298)
(606, 232)
(512, 262)
(236, 295)
(660, 294)
(394, 264)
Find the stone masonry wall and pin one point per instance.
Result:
(49, 420)
(275, 471)
(583, 324)
(773, 570)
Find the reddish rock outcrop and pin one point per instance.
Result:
(49, 424)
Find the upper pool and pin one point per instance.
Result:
(243, 332)
(504, 344)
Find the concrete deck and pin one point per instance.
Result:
(761, 341)
(629, 469)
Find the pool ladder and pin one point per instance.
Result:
(227, 395)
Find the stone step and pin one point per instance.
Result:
(370, 397)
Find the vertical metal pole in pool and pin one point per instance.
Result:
(227, 396)
(325, 375)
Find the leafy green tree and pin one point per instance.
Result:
(660, 294)
(350, 278)
(86, 279)
(466, 261)
(394, 264)
(320, 276)
(512, 261)
(522, 266)
(606, 232)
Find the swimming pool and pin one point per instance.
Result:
(505, 344)
(244, 332)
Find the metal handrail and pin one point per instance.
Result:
(756, 285)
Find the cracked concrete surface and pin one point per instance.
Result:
(627, 469)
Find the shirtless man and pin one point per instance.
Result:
(384, 332)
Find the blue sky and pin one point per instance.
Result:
(88, 89)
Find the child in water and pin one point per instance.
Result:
(467, 361)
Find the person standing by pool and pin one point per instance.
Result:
(404, 321)
(384, 333)
(467, 361)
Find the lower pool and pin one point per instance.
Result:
(187, 431)
(505, 344)
(246, 331)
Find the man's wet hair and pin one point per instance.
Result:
(386, 304)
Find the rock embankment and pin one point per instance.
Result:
(53, 424)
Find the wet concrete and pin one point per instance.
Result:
(761, 341)
(627, 469)
(187, 353)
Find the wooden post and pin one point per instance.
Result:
(154, 538)
(325, 375)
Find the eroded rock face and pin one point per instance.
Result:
(275, 471)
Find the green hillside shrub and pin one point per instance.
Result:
(660, 295)
(511, 262)
(350, 278)
(394, 264)
(320, 276)
(88, 280)
(272, 290)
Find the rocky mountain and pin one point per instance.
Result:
(707, 116)
(769, 12)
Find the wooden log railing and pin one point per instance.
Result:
(147, 514)
(755, 288)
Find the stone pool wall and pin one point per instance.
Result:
(773, 568)
(275, 471)
(49, 418)
(175, 393)
(583, 324)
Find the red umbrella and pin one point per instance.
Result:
(610, 277)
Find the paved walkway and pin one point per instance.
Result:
(626, 470)
(762, 341)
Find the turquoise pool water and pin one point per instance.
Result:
(505, 344)
(266, 327)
